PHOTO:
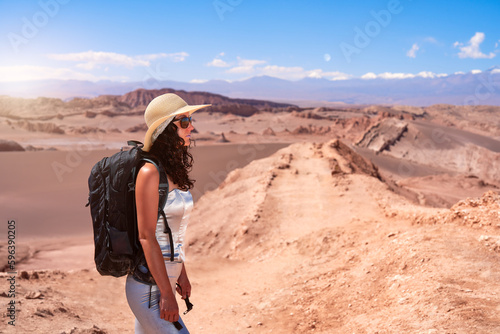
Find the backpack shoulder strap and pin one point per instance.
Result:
(163, 188)
(135, 143)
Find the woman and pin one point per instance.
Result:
(168, 138)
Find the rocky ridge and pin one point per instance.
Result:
(130, 103)
(325, 264)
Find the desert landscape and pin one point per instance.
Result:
(321, 218)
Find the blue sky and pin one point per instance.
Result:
(195, 40)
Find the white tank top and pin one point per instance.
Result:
(177, 210)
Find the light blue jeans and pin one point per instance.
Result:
(143, 301)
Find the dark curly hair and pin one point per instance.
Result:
(169, 149)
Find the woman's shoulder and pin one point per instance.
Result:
(148, 171)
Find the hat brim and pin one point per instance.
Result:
(148, 142)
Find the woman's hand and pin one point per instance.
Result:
(169, 310)
(184, 286)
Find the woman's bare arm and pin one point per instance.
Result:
(147, 197)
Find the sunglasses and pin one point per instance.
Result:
(184, 121)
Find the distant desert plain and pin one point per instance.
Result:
(332, 218)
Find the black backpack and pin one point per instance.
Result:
(112, 206)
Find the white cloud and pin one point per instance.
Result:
(175, 57)
(471, 50)
(91, 59)
(459, 72)
(198, 81)
(242, 70)
(495, 70)
(315, 74)
(412, 52)
(334, 76)
(430, 40)
(297, 73)
(391, 76)
(256, 67)
(246, 66)
(369, 76)
(432, 75)
(217, 62)
(87, 66)
(250, 62)
(29, 72)
(283, 72)
(475, 71)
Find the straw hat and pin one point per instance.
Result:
(161, 111)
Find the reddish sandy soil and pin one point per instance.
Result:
(305, 236)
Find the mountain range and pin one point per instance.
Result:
(473, 88)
